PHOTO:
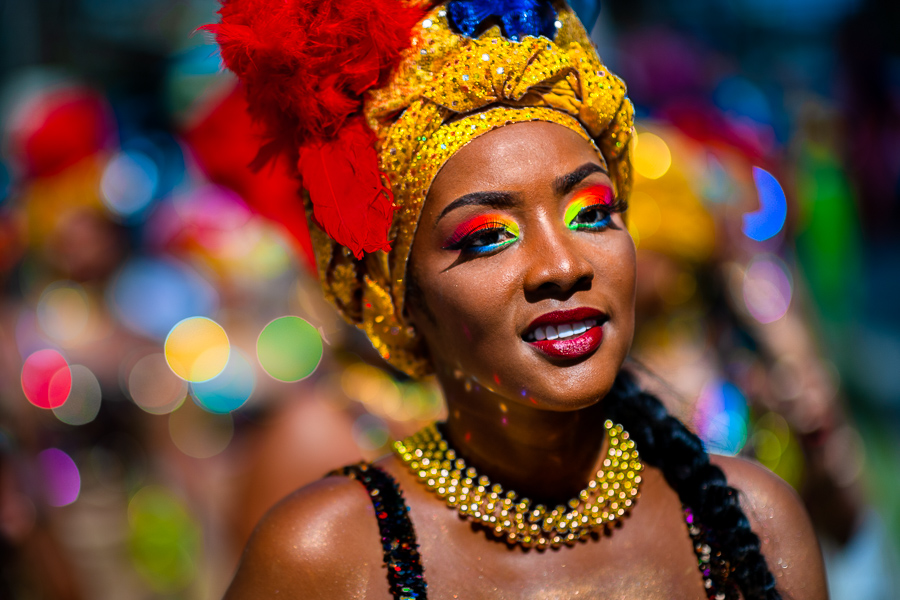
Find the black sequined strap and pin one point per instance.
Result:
(398, 537)
(715, 570)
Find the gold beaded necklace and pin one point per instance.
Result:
(605, 499)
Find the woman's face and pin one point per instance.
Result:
(524, 277)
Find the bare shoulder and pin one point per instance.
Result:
(322, 541)
(786, 534)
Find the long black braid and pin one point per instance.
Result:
(665, 443)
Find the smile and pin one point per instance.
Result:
(560, 332)
(566, 333)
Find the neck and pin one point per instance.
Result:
(543, 455)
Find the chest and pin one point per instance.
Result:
(648, 557)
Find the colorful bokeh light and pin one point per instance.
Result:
(46, 379)
(149, 295)
(129, 183)
(289, 348)
(652, 157)
(720, 417)
(63, 311)
(197, 349)
(228, 390)
(777, 449)
(370, 433)
(84, 399)
(62, 481)
(767, 288)
(153, 386)
(768, 220)
(384, 397)
(199, 433)
(164, 541)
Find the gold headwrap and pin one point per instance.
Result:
(448, 90)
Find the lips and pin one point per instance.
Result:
(567, 333)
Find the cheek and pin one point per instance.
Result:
(617, 269)
(469, 311)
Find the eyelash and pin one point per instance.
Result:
(607, 209)
(603, 209)
(464, 240)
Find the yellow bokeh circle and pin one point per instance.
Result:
(652, 157)
(197, 349)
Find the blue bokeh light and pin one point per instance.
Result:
(721, 417)
(766, 222)
(228, 390)
(151, 295)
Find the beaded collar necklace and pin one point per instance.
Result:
(605, 499)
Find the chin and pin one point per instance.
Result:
(568, 398)
(559, 387)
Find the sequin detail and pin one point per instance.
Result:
(519, 18)
(607, 498)
(715, 570)
(443, 79)
(398, 537)
(401, 554)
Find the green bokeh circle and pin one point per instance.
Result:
(289, 349)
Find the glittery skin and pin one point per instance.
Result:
(398, 538)
(448, 90)
(606, 499)
(483, 223)
(592, 196)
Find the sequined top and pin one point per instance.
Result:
(406, 579)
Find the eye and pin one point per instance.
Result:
(592, 209)
(483, 235)
(484, 240)
(596, 216)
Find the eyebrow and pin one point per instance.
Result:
(564, 184)
(490, 199)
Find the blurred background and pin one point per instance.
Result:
(168, 369)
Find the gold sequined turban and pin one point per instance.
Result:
(448, 90)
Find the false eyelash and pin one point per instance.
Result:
(465, 246)
(617, 205)
(460, 235)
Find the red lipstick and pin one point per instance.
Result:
(567, 333)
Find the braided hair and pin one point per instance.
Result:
(668, 445)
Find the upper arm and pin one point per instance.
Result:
(316, 543)
(787, 539)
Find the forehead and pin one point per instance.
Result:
(514, 157)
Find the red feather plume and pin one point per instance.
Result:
(305, 65)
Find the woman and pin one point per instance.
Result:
(507, 272)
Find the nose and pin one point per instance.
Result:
(557, 264)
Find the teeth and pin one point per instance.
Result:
(566, 330)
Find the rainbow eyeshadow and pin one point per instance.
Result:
(597, 197)
(482, 234)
